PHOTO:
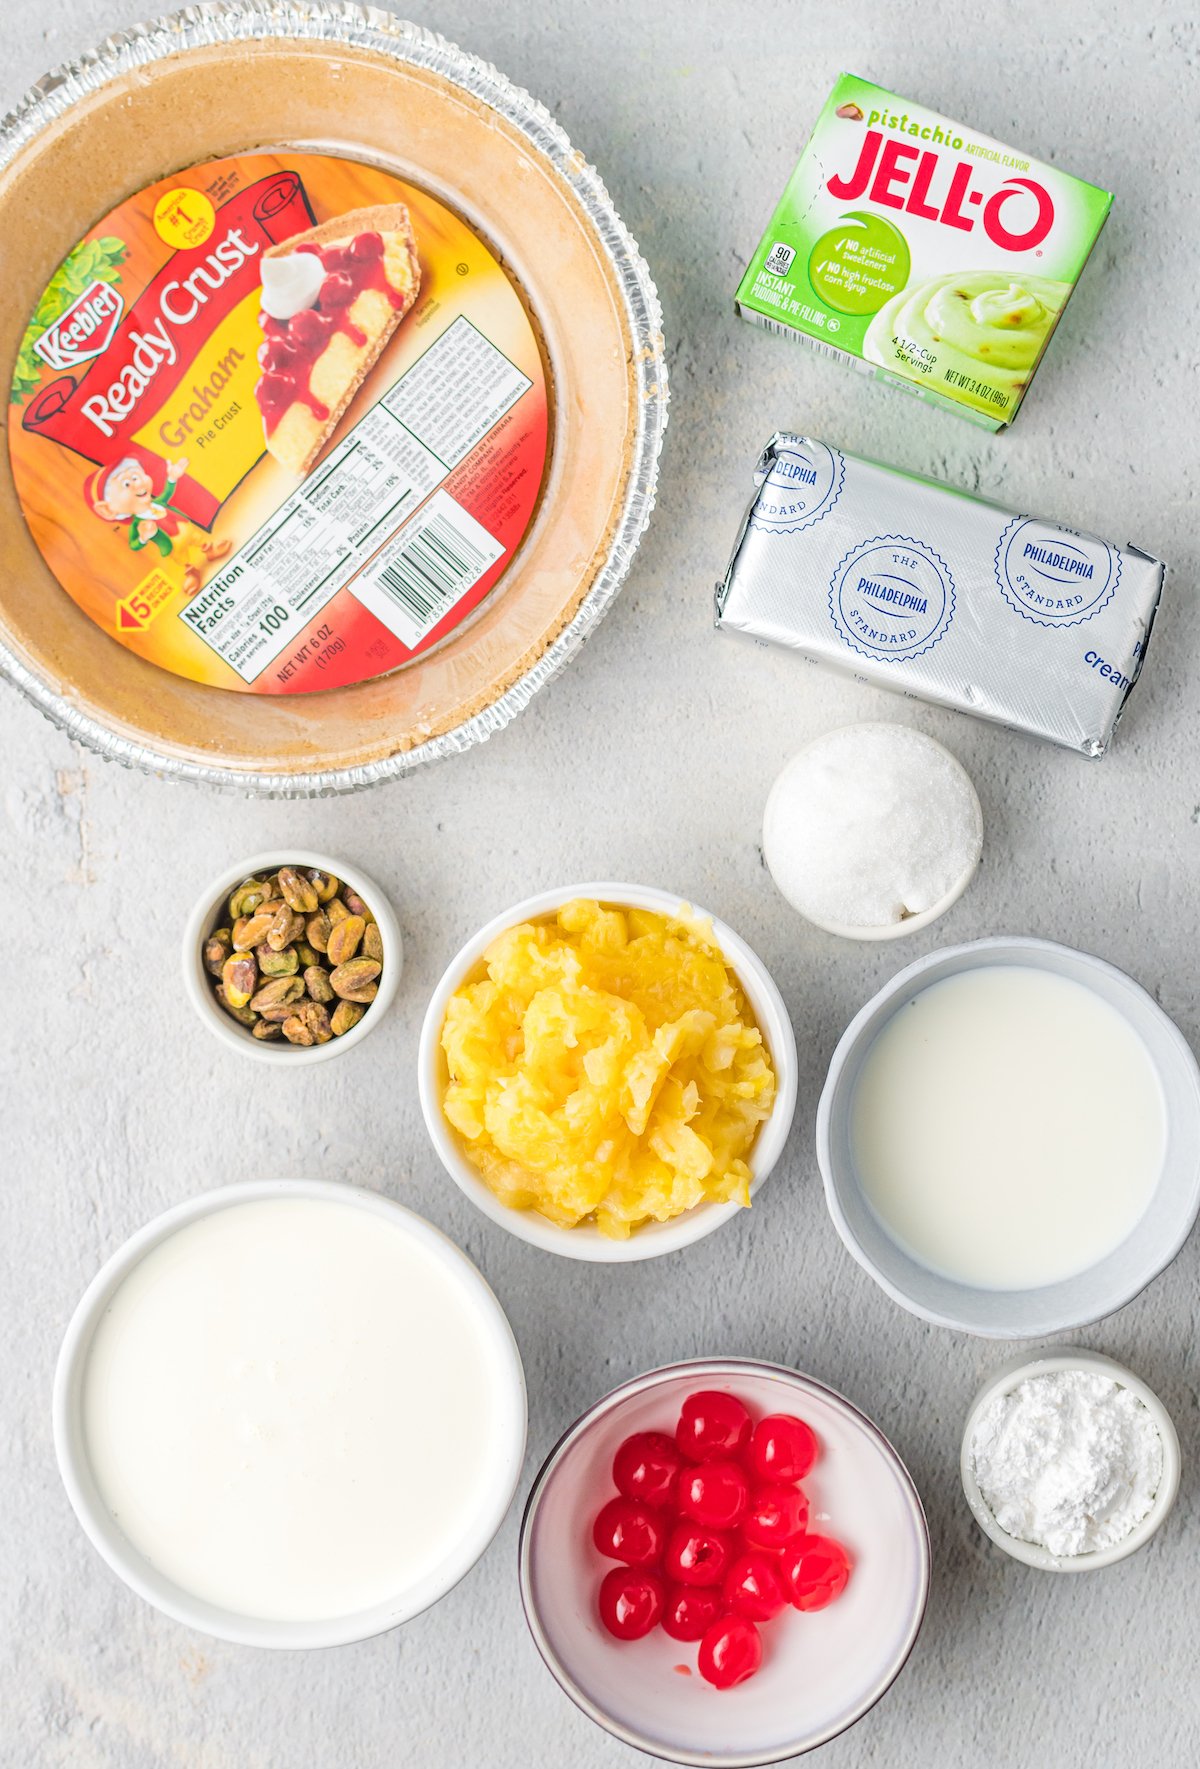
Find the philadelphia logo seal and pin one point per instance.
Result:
(801, 485)
(1053, 576)
(892, 597)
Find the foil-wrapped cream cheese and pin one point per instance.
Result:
(915, 586)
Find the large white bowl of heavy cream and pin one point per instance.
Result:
(290, 1413)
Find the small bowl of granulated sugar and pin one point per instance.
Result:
(1069, 1461)
(872, 831)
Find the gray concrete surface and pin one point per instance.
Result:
(649, 759)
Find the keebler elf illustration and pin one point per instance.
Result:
(124, 493)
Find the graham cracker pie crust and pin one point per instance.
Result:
(227, 79)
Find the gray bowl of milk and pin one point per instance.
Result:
(1009, 1137)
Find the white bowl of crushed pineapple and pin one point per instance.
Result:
(607, 1071)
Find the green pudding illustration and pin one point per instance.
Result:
(978, 334)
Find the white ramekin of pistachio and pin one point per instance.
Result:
(291, 956)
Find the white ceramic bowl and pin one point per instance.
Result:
(586, 1242)
(912, 924)
(821, 1672)
(505, 1452)
(198, 984)
(1008, 1377)
(1073, 1302)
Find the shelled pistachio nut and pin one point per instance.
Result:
(295, 956)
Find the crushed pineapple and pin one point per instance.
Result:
(604, 1066)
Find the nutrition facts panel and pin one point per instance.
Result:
(355, 504)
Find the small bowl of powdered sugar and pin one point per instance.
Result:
(1069, 1461)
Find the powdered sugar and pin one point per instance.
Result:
(1070, 1460)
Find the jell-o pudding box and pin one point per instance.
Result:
(923, 252)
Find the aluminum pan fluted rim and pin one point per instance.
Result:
(340, 21)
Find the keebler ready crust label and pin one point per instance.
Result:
(279, 422)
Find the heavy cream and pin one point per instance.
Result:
(288, 1408)
(1008, 1127)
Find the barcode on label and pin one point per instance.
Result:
(431, 572)
(429, 567)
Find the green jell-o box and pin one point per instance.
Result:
(923, 252)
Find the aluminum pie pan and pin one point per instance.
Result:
(348, 25)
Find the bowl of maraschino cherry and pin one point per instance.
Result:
(709, 1527)
(724, 1563)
